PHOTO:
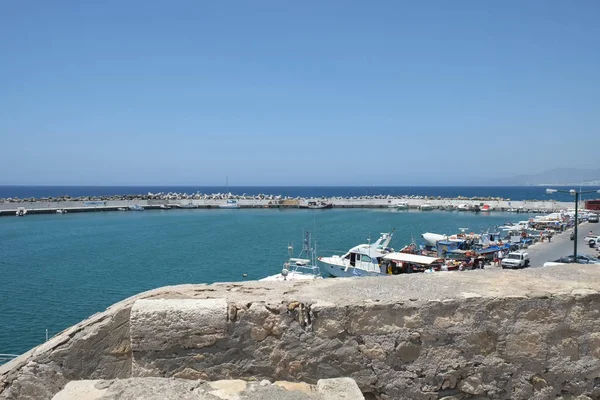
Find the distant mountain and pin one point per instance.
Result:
(556, 176)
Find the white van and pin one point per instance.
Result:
(516, 259)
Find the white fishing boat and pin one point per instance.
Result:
(21, 212)
(431, 239)
(136, 207)
(61, 211)
(298, 268)
(463, 207)
(361, 260)
(122, 209)
(426, 207)
(398, 205)
(231, 203)
(164, 207)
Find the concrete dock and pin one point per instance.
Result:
(9, 208)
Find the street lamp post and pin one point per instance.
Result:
(576, 194)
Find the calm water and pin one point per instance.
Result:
(512, 192)
(60, 269)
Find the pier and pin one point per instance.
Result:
(9, 207)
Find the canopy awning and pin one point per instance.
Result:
(411, 258)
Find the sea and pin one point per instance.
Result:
(57, 270)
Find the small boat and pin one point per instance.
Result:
(21, 212)
(231, 203)
(463, 207)
(188, 205)
(316, 205)
(361, 260)
(431, 239)
(122, 209)
(299, 269)
(426, 207)
(61, 211)
(136, 207)
(164, 207)
(401, 205)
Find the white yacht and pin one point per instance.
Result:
(21, 212)
(299, 269)
(231, 203)
(426, 207)
(463, 207)
(361, 260)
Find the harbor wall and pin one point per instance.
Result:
(9, 208)
(490, 334)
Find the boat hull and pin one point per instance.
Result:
(337, 271)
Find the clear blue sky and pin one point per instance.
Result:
(296, 93)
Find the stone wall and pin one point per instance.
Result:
(492, 334)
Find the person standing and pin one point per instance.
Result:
(500, 257)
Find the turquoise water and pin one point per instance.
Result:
(60, 269)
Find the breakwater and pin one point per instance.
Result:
(493, 334)
(160, 201)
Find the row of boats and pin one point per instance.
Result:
(403, 205)
(438, 253)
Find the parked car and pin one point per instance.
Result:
(581, 259)
(516, 259)
(593, 218)
(591, 239)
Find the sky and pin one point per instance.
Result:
(296, 93)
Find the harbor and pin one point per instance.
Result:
(64, 267)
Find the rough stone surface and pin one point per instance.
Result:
(180, 389)
(401, 337)
(164, 327)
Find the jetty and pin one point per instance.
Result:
(165, 201)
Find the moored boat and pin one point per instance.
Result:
(298, 268)
(361, 260)
(136, 207)
(401, 205)
(426, 207)
(231, 203)
(316, 205)
(21, 212)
